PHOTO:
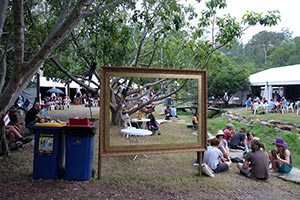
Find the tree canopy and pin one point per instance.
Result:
(64, 37)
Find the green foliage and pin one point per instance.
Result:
(228, 79)
(287, 53)
(229, 28)
(253, 18)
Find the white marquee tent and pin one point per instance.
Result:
(279, 76)
(287, 75)
(49, 83)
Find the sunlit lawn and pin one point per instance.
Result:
(287, 117)
(266, 134)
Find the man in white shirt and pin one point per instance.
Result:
(214, 158)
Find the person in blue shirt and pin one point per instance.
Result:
(248, 103)
(173, 112)
(44, 110)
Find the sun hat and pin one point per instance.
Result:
(280, 142)
(210, 137)
(220, 133)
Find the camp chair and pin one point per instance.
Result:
(297, 107)
(290, 107)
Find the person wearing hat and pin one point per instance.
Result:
(281, 157)
(228, 132)
(223, 146)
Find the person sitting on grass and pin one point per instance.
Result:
(256, 164)
(228, 132)
(195, 121)
(223, 146)
(250, 137)
(167, 113)
(153, 125)
(281, 157)
(238, 140)
(214, 158)
(14, 130)
(44, 110)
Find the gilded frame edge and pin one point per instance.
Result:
(106, 150)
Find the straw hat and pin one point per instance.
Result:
(220, 133)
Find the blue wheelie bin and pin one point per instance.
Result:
(79, 149)
(48, 158)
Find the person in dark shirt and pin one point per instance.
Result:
(238, 140)
(33, 116)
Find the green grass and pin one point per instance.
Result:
(266, 134)
(289, 117)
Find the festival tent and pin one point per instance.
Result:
(50, 83)
(286, 77)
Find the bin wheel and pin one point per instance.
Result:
(93, 173)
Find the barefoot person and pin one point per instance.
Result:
(281, 157)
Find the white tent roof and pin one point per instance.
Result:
(49, 83)
(287, 75)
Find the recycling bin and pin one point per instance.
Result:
(79, 149)
(48, 161)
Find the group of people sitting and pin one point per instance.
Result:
(262, 106)
(16, 131)
(58, 102)
(169, 112)
(256, 164)
(147, 112)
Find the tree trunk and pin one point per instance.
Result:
(3, 144)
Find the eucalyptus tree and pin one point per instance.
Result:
(223, 30)
(229, 80)
(69, 34)
(286, 54)
(262, 44)
(132, 36)
(151, 34)
(17, 35)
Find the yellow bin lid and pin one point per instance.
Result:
(50, 124)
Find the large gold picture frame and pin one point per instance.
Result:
(107, 147)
